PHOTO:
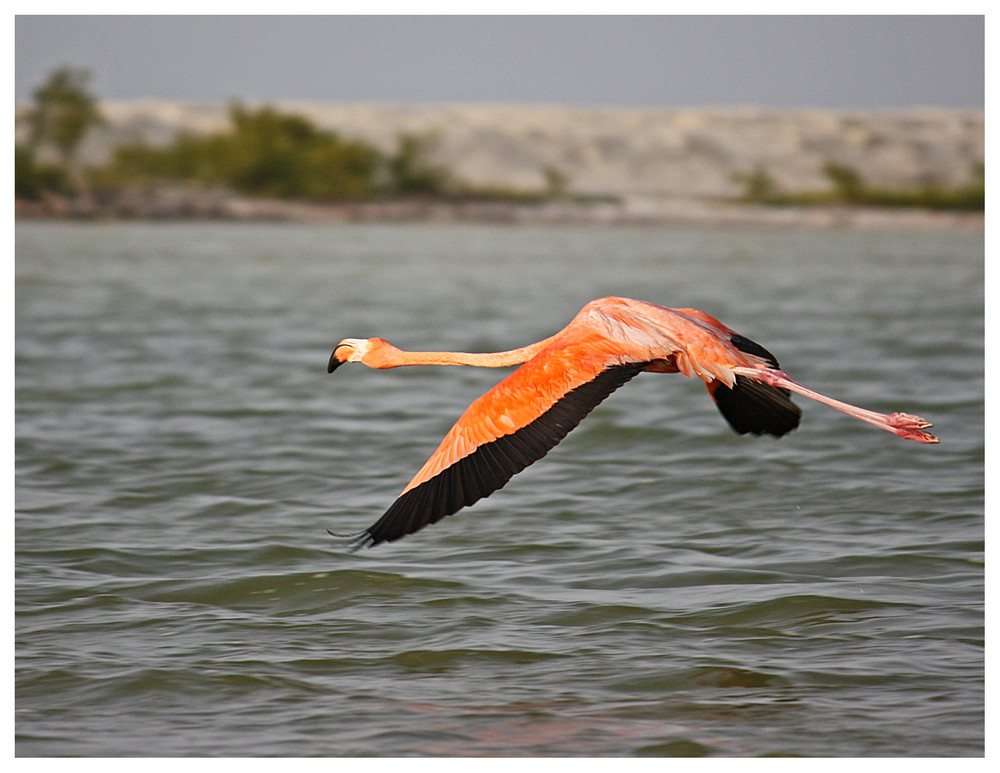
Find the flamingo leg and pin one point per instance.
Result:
(904, 425)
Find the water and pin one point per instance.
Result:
(657, 585)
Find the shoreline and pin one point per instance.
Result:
(683, 166)
(174, 205)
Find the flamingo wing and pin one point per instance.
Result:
(523, 417)
(510, 427)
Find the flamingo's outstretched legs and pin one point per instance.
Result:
(903, 424)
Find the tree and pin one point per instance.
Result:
(555, 182)
(266, 153)
(32, 180)
(758, 185)
(410, 169)
(63, 114)
(847, 182)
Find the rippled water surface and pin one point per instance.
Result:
(657, 585)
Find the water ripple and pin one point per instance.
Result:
(657, 586)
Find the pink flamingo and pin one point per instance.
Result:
(562, 378)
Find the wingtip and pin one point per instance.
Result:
(361, 539)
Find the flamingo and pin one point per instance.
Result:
(563, 377)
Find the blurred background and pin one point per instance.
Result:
(599, 117)
(205, 205)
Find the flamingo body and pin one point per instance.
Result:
(564, 377)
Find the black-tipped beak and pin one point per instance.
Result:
(334, 362)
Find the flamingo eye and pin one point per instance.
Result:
(354, 349)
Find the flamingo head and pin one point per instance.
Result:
(349, 350)
(373, 352)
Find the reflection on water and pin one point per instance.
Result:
(656, 585)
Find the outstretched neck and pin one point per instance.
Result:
(385, 355)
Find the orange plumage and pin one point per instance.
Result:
(564, 377)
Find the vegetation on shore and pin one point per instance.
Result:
(847, 187)
(265, 154)
(63, 114)
(269, 154)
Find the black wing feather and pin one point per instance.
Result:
(491, 465)
(752, 406)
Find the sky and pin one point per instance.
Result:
(615, 61)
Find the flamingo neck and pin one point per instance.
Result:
(389, 356)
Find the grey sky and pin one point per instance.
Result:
(630, 61)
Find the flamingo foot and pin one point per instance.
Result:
(910, 427)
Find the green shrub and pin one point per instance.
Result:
(266, 153)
